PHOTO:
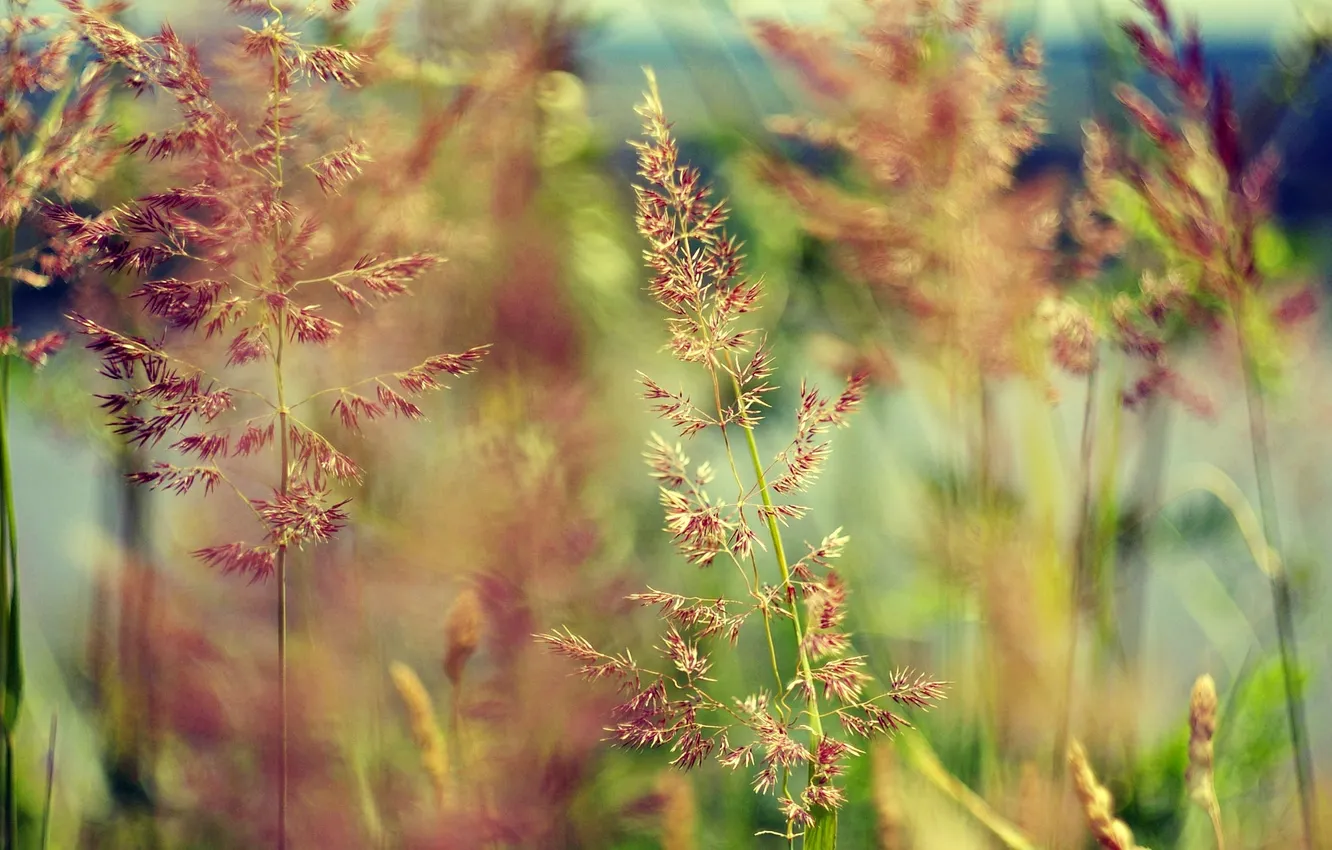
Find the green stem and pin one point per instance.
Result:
(282, 694)
(763, 608)
(11, 658)
(1282, 602)
(992, 739)
(50, 784)
(815, 723)
(823, 834)
(284, 441)
(984, 460)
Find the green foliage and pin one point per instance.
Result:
(1253, 741)
(823, 834)
(1154, 798)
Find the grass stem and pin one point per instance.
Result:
(50, 783)
(11, 657)
(1081, 563)
(284, 442)
(823, 834)
(923, 758)
(1282, 601)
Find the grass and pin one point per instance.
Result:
(283, 187)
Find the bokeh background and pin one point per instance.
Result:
(498, 134)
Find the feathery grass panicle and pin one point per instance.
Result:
(934, 111)
(1202, 729)
(1207, 201)
(698, 279)
(425, 726)
(237, 227)
(1097, 804)
(227, 250)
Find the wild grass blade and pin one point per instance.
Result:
(50, 783)
(1283, 605)
(11, 653)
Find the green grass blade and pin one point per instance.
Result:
(823, 834)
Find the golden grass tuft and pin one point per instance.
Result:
(1097, 804)
(425, 727)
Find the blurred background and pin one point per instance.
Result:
(498, 135)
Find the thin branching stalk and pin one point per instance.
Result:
(779, 553)
(824, 831)
(282, 655)
(284, 455)
(1080, 562)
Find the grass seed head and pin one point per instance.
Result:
(1097, 804)
(425, 726)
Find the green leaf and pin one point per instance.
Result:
(1253, 736)
(14, 668)
(823, 834)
